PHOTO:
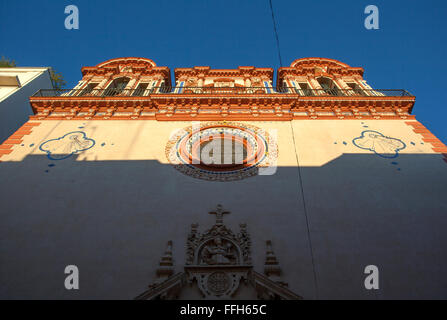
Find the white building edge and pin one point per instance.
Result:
(16, 86)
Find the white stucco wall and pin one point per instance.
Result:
(330, 209)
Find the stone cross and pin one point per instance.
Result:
(219, 214)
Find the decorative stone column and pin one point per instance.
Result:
(80, 84)
(315, 84)
(102, 84)
(73, 92)
(342, 84)
(129, 87)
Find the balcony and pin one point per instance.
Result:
(113, 92)
(222, 103)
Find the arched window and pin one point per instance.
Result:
(329, 86)
(117, 86)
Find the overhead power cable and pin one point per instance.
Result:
(276, 33)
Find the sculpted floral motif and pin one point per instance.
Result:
(218, 251)
(218, 245)
(218, 282)
(245, 243)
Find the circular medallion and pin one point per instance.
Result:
(221, 151)
(218, 283)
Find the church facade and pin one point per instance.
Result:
(224, 185)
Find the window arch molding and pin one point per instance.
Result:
(117, 85)
(328, 85)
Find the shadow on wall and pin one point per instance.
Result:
(113, 218)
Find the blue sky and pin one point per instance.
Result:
(408, 51)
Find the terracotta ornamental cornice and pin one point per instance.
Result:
(207, 72)
(127, 67)
(317, 67)
(189, 107)
(251, 99)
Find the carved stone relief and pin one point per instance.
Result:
(218, 261)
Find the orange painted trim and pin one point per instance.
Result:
(437, 145)
(219, 117)
(12, 141)
(16, 138)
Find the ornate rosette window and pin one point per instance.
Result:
(221, 151)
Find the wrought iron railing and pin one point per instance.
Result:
(114, 92)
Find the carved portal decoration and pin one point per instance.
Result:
(239, 151)
(219, 258)
(218, 261)
(218, 283)
(383, 146)
(218, 245)
(218, 251)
